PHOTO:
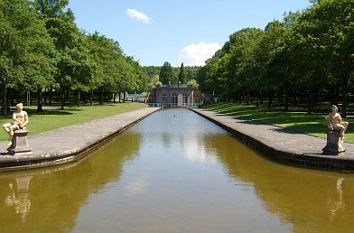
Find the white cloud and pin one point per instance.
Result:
(137, 15)
(197, 54)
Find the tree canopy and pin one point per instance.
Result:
(306, 56)
(43, 51)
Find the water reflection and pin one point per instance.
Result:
(137, 186)
(313, 201)
(18, 197)
(338, 203)
(176, 172)
(49, 200)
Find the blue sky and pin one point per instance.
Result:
(189, 31)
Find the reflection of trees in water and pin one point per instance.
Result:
(52, 197)
(313, 201)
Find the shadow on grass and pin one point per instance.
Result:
(73, 109)
(51, 112)
(296, 122)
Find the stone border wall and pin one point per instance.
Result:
(318, 161)
(40, 159)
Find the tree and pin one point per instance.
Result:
(181, 75)
(193, 83)
(166, 73)
(323, 45)
(51, 8)
(75, 66)
(25, 49)
(110, 61)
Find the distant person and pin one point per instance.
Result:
(20, 120)
(335, 121)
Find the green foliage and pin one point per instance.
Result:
(42, 49)
(51, 8)
(307, 55)
(26, 50)
(193, 83)
(167, 75)
(181, 75)
(188, 73)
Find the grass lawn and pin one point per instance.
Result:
(314, 124)
(54, 119)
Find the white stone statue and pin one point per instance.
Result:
(335, 121)
(335, 134)
(20, 120)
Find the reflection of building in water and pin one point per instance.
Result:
(19, 198)
(339, 202)
(195, 150)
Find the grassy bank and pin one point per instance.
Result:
(314, 124)
(54, 118)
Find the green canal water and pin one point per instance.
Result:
(175, 172)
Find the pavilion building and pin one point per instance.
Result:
(173, 95)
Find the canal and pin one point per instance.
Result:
(175, 172)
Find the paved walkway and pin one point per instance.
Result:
(66, 144)
(283, 145)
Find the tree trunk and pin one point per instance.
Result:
(101, 97)
(58, 95)
(281, 98)
(78, 97)
(4, 100)
(309, 104)
(119, 96)
(124, 95)
(345, 95)
(295, 99)
(270, 100)
(50, 96)
(311, 100)
(39, 100)
(45, 97)
(11, 97)
(75, 97)
(114, 97)
(336, 97)
(62, 98)
(67, 95)
(286, 103)
(91, 97)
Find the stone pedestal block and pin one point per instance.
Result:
(19, 142)
(334, 144)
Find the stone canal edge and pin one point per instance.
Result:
(283, 145)
(70, 143)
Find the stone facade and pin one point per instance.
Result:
(175, 96)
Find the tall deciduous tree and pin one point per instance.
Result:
(309, 54)
(75, 67)
(25, 49)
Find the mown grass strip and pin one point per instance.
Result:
(314, 124)
(55, 118)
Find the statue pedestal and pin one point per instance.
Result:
(19, 142)
(334, 144)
